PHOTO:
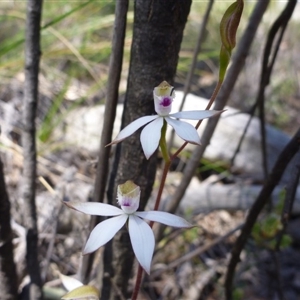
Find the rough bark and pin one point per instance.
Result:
(32, 58)
(8, 274)
(157, 35)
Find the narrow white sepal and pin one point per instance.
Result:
(132, 127)
(142, 240)
(164, 218)
(195, 115)
(184, 130)
(104, 232)
(150, 136)
(95, 208)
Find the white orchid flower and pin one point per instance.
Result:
(150, 135)
(141, 234)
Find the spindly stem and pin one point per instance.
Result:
(161, 186)
(163, 143)
(157, 202)
(138, 282)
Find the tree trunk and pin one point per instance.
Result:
(157, 35)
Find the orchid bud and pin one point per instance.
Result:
(228, 28)
(230, 23)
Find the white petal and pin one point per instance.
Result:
(164, 218)
(95, 208)
(150, 136)
(185, 130)
(132, 127)
(195, 115)
(142, 240)
(104, 232)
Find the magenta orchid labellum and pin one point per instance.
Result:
(151, 134)
(141, 234)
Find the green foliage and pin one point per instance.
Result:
(266, 231)
(238, 294)
(76, 42)
(191, 235)
(50, 120)
(212, 166)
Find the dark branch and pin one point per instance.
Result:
(269, 58)
(32, 58)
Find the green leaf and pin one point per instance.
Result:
(230, 23)
(62, 17)
(19, 40)
(228, 28)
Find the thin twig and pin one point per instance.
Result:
(196, 252)
(52, 239)
(291, 190)
(269, 58)
(32, 59)
(238, 148)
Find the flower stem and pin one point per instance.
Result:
(157, 202)
(138, 282)
(161, 186)
(163, 143)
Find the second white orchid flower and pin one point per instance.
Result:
(151, 134)
(141, 234)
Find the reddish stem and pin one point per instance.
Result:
(157, 202)
(161, 186)
(138, 282)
